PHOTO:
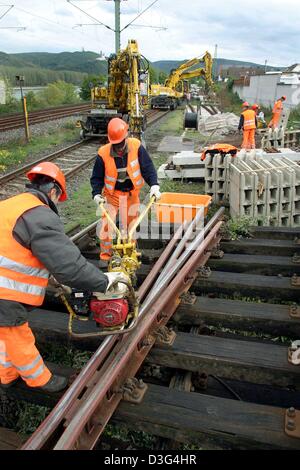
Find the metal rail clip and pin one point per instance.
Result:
(294, 311)
(134, 390)
(165, 336)
(204, 271)
(292, 422)
(296, 258)
(295, 280)
(294, 353)
(216, 253)
(188, 298)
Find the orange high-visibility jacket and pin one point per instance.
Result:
(249, 119)
(23, 278)
(220, 148)
(133, 166)
(278, 107)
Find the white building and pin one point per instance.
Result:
(266, 89)
(2, 91)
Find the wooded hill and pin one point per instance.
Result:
(41, 68)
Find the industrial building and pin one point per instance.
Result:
(265, 89)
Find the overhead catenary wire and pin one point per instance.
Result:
(10, 7)
(5, 13)
(48, 20)
(100, 23)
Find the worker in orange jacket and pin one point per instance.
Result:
(121, 168)
(276, 112)
(33, 245)
(249, 124)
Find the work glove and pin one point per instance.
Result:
(114, 278)
(57, 288)
(99, 199)
(155, 191)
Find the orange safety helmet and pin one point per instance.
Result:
(117, 130)
(245, 104)
(53, 171)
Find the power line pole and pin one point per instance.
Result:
(117, 29)
(215, 67)
(117, 25)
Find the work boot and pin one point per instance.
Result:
(55, 384)
(10, 384)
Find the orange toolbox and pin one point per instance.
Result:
(174, 208)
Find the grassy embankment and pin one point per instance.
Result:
(16, 152)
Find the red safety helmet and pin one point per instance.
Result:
(283, 97)
(245, 104)
(117, 130)
(53, 171)
(255, 106)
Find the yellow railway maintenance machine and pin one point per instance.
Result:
(126, 95)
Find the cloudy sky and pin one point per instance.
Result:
(254, 31)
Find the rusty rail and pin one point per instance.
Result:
(16, 121)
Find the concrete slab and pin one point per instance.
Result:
(174, 144)
(192, 173)
(187, 157)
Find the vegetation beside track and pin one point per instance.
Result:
(17, 152)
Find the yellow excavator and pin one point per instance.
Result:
(171, 94)
(126, 95)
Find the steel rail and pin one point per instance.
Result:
(122, 364)
(36, 117)
(52, 156)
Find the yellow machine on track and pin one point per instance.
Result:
(126, 95)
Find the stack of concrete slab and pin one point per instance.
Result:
(273, 138)
(214, 170)
(217, 176)
(186, 164)
(267, 190)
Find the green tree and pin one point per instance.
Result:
(58, 93)
(152, 74)
(162, 77)
(89, 82)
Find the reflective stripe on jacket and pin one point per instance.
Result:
(133, 166)
(23, 278)
(249, 119)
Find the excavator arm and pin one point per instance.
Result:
(182, 73)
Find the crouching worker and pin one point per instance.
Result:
(33, 245)
(118, 176)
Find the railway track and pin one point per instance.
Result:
(15, 121)
(234, 388)
(71, 159)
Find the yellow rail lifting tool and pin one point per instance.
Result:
(117, 303)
